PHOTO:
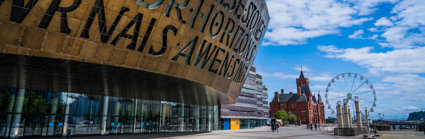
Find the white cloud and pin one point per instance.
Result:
(356, 35)
(411, 82)
(410, 12)
(330, 49)
(304, 68)
(383, 86)
(279, 75)
(397, 112)
(359, 35)
(323, 77)
(408, 27)
(400, 60)
(372, 29)
(373, 37)
(316, 88)
(408, 108)
(412, 108)
(294, 21)
(366, 7)
(383, 22)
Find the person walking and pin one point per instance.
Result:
(273, 125)
(277, 126)
(315, 127)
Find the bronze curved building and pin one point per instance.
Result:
(88, 67)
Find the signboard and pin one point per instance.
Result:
(210, 42)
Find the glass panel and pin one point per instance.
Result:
(38, 110)
(188, 118)
(44, 113)
(151, 116)
(216, 118)
(7, 98)
(114, 112)
(167, 122)
(138, 116)
(204, 118)
(210, 118)
(125, 119)
(196, 113)
(155, 117)
(180, 117)
(244, 124)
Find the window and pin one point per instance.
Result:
(294, 105)
(283, 106)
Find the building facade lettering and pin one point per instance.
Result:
(218, 37)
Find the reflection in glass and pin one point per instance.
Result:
(25, 113)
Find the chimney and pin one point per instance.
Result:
(290, 93)
(276, 96)
(319, 99)
(310, 97)
(281, 91)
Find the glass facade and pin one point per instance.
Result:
(251, 123)
(25, 113)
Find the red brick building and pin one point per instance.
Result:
(303, 104)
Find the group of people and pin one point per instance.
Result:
(275, 125)
(310, 126)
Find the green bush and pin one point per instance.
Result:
(293, 118)
(282, 115)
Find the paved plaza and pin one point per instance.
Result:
(291, 132)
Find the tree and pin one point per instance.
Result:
(281, 114)
(331, 120)
(293, 118)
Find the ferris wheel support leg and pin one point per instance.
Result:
(350, 123)
(339, 116)
(346, 124)
(367, 121)
(359, 119)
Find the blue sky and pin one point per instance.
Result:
(380, 39)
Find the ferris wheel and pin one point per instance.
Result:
(348, 86)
